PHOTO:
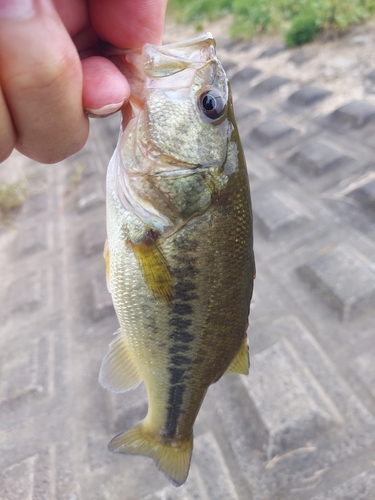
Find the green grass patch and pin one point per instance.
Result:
(303, 29)
(250, 17)
(198, 10)
(298, 20)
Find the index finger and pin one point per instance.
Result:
(128, 23)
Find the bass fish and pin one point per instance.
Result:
(179, 251)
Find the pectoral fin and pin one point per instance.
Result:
(118, 372)
(241, 362)
(154, 268)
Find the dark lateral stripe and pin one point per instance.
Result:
(180, 359)
(182, 308)
(180, 322)
(188, 268)
(182, 336)
(188, 286)
(176, 393)
(177, 375)
(184, 265)
(181, 292)
(177, 348)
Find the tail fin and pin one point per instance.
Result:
(172, 458)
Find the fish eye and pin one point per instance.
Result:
(212, 104)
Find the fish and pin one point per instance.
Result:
(179, 250)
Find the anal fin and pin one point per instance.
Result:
(106, 258)
(118, 372)
(241, 362)
(154, 267)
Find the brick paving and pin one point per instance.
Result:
(302, 425)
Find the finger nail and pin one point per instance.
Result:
(105, 110)
(16, 9)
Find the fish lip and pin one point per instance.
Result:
(110, 50)
(192, 41)
(194, 53)
(151, 59)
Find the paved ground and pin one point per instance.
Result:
(302, 426)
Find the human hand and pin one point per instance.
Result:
(44, 86)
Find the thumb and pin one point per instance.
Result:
(41, 80)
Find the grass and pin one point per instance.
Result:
(12, 197)
(197, 10)
(303, 29)
(299, 20)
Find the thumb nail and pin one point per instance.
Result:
(105, 110)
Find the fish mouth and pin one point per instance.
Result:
(157, 61)
(199, 49)
(187, 44)
(175, 57)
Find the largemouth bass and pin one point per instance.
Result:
(179, 251)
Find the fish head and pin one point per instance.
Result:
(172, 154)
(181, 92)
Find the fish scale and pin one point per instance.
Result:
(179, 256)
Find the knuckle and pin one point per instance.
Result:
(5, 151)
(7, 143)
(45, 75)
(46, 103)
(7, 131)
(50, 151)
